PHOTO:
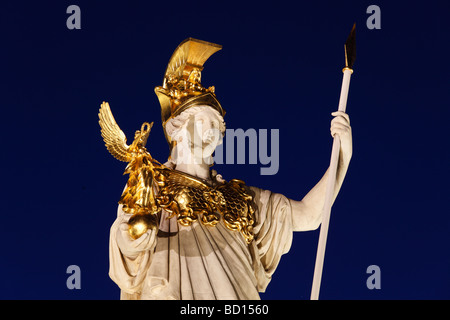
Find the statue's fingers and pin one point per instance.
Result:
(147, 244)
(339, 129)
(126, 217)
(123, 226)
(125, 235)
(338, 125)
(137, 243)
(341, 114)
(339, 119)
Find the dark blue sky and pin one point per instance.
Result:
(280, 68)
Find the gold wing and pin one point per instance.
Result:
(115, 139)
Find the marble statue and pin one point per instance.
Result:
(182, 231)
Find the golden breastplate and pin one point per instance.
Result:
(190, 199)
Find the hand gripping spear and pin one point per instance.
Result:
(350, 55)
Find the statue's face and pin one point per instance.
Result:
(203, 133)
(197, 133)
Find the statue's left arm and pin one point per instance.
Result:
(307, 213)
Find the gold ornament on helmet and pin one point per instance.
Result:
(182, 87)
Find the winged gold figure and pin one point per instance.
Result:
(138, 198)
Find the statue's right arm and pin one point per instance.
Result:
(129, 259)
(307, 213)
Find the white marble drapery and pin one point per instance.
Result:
(202, 262)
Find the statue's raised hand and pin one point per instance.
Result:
(340, 125)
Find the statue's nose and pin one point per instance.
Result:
(209, 135)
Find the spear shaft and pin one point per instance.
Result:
(331, 182)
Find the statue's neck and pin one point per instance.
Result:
(197, 170)
(190, 161)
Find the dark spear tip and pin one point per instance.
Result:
(350, 48)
